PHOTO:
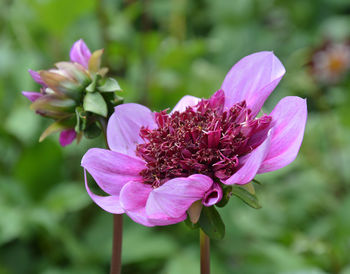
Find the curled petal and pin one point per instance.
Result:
(289, 118)
(67, 137)
(112, 170)
(186, 101)
(108, 203)
(173, 198)
(253, 79)
(32, 95)
(249, 164)
(134, 195)
(123, 130)
(213, 195)
(80, 53)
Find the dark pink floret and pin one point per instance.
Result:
(205, 139)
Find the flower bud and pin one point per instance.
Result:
(75, 94)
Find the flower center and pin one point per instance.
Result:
(204, 139)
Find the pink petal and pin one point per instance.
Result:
(165, 220)
(36, 77)
(134, 195)
(31, 95)
(107, 203)
(213, 195)
(67, 137)
(80, 53)
(289, 118)
(253, 79)
(112, 170)
(139, 216)
(123, 130)
(186, 101)
(173, 198)
(250, 164)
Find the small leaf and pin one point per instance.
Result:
(109, 85)
(92, 86)
(95, 103)
(246, 196)
(55, 127)
(211, 223)
(249, 187)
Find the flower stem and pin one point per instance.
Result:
(116, 260)
(205, 252)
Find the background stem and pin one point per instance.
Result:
(116, 260)
(205, 252)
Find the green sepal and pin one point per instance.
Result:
(81, 117)
(191, 225)
(95, 103)
(109, 85)
(247, 197)
(92, 86)
(56, 127)
(211, 223)
(92, 131)
(226, 195)
(256, 181)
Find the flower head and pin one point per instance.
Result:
(160, 164)
(74, 94)
(331, 62)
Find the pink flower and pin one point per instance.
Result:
(159, 164)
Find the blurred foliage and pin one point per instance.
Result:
(160, 50)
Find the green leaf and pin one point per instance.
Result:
(92, 86)
(95, 103)
(109, 85)
(247, 197)
(92, 131)
(211, 223)
(226, 195)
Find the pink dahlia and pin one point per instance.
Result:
(159, 164)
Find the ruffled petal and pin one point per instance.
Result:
(250, 164)
(108, 203)
(80, 53)
(112, 170)
(67, 137)
(173, 198)
(289, 118)
(186, 101)
(253, 79)
(134, 195)
(32, 95)
(123, 130)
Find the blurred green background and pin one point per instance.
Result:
(160, 50)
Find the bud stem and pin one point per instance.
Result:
(205, 252)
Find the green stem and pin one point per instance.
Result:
(205, 252)
(116, 260)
